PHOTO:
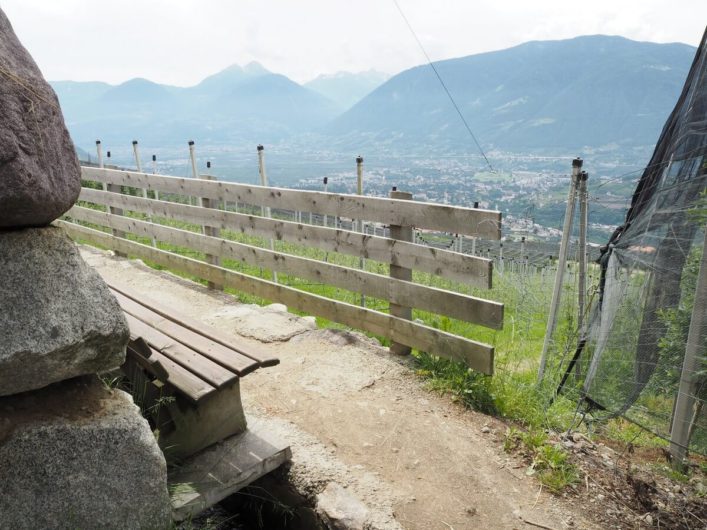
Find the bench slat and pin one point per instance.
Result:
(253, 351)
(226, 357)
(196, 363)
(190, 385)
(141, 353)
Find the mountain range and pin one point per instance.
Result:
(586, 91)
(594, 91)
(233, 104)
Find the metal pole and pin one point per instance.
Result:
(326, 185)
(562, 260)
(194, 171)
(687, 407)
(99, 152)
(359, 191)
(583, 218)
(473, 239)
(192, 158)
(154, 172)
(265, 211)
(500, 258)
(136, 154)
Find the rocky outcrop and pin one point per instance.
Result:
(73, 454)
(39, 171)
(57, 316)
(78, 455)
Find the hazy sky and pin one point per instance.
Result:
(181, 41)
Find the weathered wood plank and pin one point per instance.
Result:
(197, 364)
(190, 385)
(471, 270)
(220, 354)
(252, 351)
(476, 355)
(399, 292)
(219, 471)
(468, 221)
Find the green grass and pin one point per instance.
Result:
(548, 462)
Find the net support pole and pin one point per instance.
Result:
(359, 191)
(582, 278)
(696, 347)
(561, 266)
(265, 210)
(402, 233)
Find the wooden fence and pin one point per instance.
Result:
(116, 212)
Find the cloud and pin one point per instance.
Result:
(182, 41)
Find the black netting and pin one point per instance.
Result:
(639, 326)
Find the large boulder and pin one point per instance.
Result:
(78, 455)
(57, 317)
(39, 173)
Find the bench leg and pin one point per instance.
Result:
(197, 426)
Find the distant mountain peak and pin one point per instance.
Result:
(255, 68)
(233, 75)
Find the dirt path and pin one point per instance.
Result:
(355, 415)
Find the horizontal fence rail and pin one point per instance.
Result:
(473, 270)
(128, 217)
(475, 222)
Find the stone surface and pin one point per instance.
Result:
(39, 171)
(271, 323)
(340, 510)
(57, 317)
(78, 455)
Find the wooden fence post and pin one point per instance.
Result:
(265, 210)
(116, 188)
(359, 228)
(138, 165)
(402, 233)
(211, 231)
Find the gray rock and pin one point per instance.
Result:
(39, 172)
(78, 455)
(57, 317)
(340, 510)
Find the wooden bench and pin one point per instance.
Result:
(185, 374)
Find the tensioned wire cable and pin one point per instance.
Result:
(444, 86)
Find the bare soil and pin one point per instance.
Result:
(358, 416)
